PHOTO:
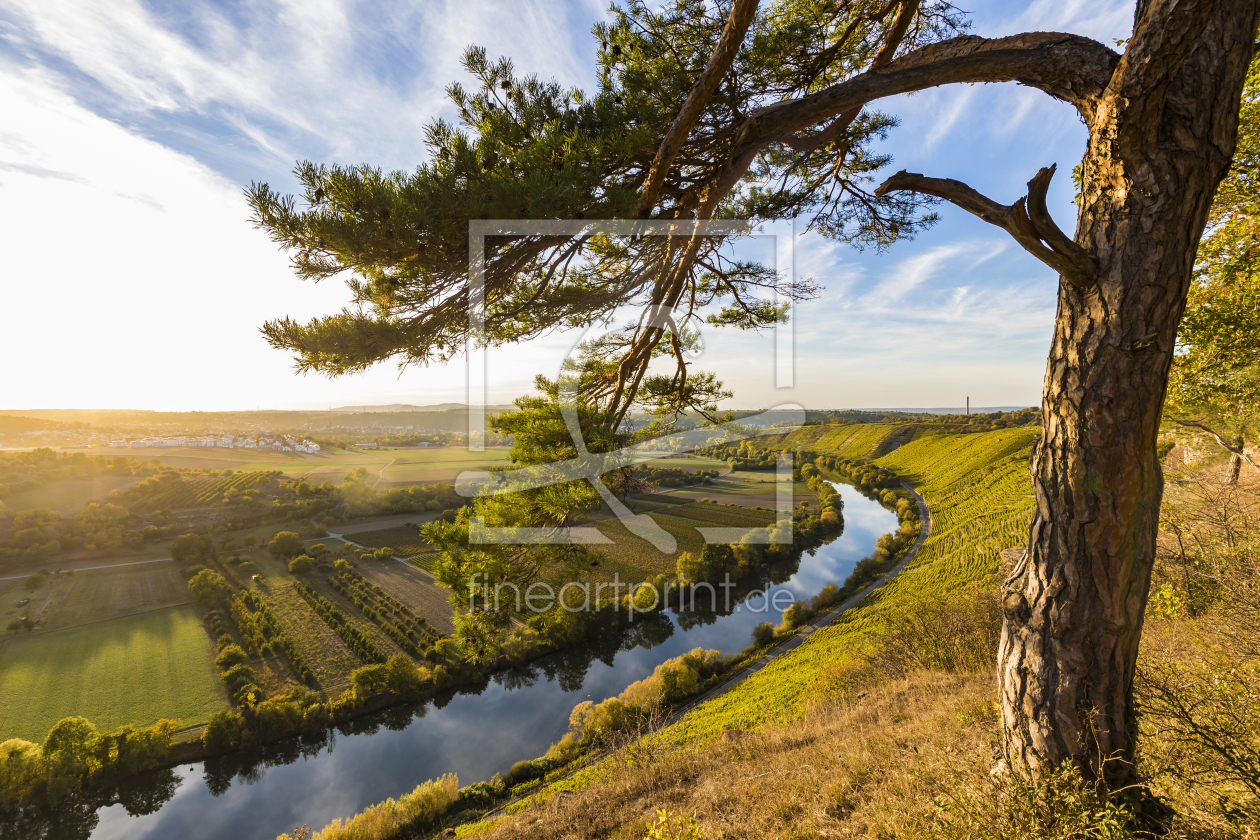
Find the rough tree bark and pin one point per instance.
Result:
(1161, 136)
(1160, 142)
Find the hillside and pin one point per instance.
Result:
(978, 493)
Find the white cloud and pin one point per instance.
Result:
(132, 279)
(333, 79)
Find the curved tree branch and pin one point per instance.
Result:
(1027, 220)
(837, 127)
(732, 37)
(1238, 450)
(1067, 67)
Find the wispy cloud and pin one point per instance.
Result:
(332, 79)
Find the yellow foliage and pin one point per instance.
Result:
(393, 817)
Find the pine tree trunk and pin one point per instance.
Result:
(1074, 604)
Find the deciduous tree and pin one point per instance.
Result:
(1215, 382)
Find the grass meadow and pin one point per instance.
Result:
(69, 496)
(67, 600)
(137, 669)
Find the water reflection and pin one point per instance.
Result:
(475, 732)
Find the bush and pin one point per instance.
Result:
(208, 586)
(249, 567)
(223, 732)
(284, 545)
(794, 616)
(301, 564)
(237, 676)
(230, 656)
(394, 818)
(763, 634)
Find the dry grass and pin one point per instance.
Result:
(871, 767)
(413, 587)
(323, 651)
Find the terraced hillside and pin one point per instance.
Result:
(979, 497)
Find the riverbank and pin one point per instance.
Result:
(977, 497)
(386, 752)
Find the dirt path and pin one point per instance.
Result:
(381, 474)
(90, 568)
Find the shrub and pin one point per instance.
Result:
(284, 545)
(677, 828)
(394, 818)
(763, 634)
(301, 564)
(794, 616)
(1063, 806)
(249, 567)
(22, 768)
(223, 732)
(370, 680)
(237, 676)
(230, 656)
(208, 586)
(402, 678)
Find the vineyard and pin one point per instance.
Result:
(980, 500)
(158, 494)
(407, 630)
(355, 639)
(264, 620)
(317, 643)
(855, 441)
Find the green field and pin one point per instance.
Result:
(688, 462)
(404, 541)
(68, 496)
(136, 670)
(68, 600)
(415, 466)
(411, 464)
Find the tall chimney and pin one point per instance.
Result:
(968, 406)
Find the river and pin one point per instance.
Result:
(516, 716)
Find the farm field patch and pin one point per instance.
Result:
(325, 654)
(69, 496)
(688, 462)
(414, 466)
(380, 523)
(67, 600)
(137, 669)
(414, 588)
(403, 541)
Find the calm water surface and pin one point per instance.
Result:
(517, 715)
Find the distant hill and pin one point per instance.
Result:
(397, 407)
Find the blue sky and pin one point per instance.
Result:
(132, 278)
